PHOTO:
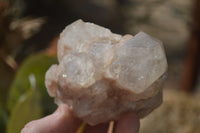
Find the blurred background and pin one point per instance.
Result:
(29, 30)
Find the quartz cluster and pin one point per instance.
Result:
(102, 75)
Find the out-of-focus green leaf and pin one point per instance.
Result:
(3, 119)
(35, 65)
(28, 108)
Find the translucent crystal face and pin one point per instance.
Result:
(102, 75)
(78, 69)
(101, 53)
(138, 63)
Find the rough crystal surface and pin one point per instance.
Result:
(102, 75)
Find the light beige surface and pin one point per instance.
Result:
(179, 113)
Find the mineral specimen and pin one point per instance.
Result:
(102, 75)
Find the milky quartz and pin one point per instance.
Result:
(102, 76)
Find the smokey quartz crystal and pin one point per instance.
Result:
(102, 76)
